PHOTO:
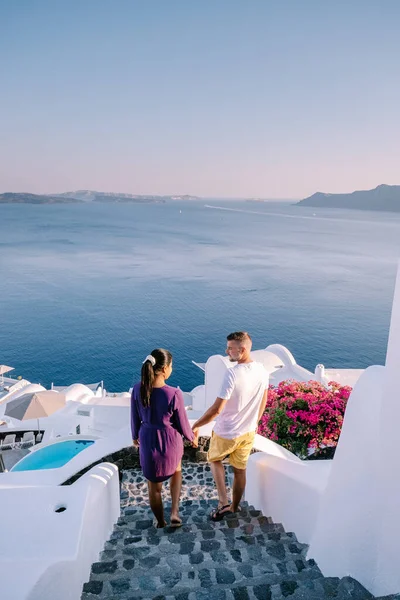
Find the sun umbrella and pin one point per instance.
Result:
(4, 369)
(35, 405)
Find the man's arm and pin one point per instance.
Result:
(210, 414)
(262, 406)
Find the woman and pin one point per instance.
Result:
(159, 420)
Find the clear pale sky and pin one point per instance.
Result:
(274, 99)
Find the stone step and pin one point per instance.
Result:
(225, 535)
(195, 513)
(138, 546)
(319, 588)
(176, 574)
(192, 516)
(193, 555)
(249, 533)
(233, 527)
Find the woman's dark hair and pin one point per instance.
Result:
(162, 358)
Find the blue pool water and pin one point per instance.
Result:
(53, 456)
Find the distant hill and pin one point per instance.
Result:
(383, 197)
(85, 196)
(22, 198)
(93, 196)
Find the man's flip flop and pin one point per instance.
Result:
(219, 513)
(175, 523)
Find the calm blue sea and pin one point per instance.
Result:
(87, 290)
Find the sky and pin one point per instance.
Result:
(217, 98)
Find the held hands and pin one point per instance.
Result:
(195, 442)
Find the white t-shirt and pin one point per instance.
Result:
(244, 386)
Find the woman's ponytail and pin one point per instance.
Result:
(147, 377)
(152, 364)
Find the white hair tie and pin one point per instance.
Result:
(151, 359)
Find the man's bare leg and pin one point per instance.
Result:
(218, 471)
(239, 484)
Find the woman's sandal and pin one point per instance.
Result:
(219, 513)
(157, 526)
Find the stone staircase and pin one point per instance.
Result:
(244, 557)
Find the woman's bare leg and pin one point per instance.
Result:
(156, 503)
(175, 484)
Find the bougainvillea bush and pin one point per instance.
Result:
(305, 417)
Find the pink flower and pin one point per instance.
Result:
(303, 415)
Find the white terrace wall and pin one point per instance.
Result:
(360, 508)
(45, 555)
(287, 489)
(387, 480)
(109, 417)
(349, 516)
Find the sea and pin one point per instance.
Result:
(88, 290)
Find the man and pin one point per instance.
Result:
(237, 410)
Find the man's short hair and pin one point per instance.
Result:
(239, 336)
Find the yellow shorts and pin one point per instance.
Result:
(237, 449)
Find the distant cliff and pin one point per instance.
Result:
(11, 198)
(384, 197)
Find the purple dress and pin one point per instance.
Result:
(159, 429)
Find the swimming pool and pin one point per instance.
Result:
(53, 456)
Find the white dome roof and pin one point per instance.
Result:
(77, 392)
(28, 389)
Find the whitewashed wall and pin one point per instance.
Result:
(348, 515)
(360, 510)
(287, 489)
(387, 480)
(46, 555)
